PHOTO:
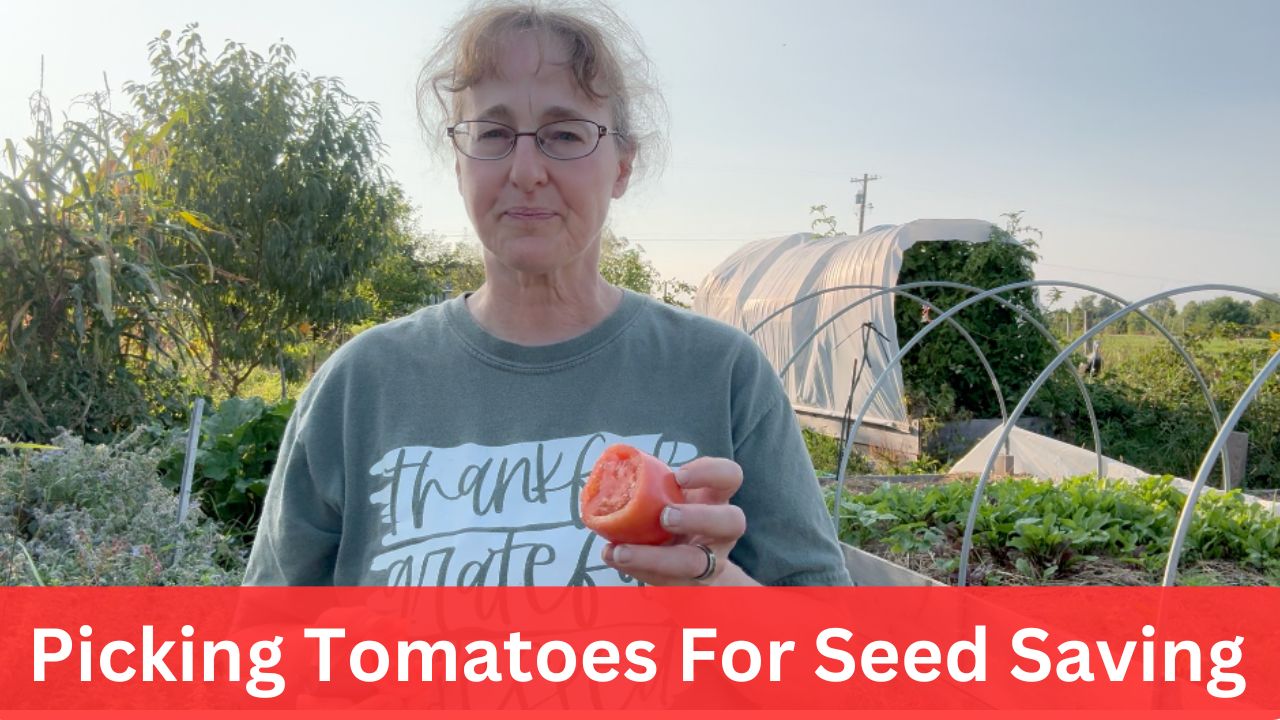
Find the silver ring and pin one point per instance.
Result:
(711, 563)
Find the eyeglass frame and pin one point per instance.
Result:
(516, 135)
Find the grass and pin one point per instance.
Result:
(264, 383)
(1117, 349)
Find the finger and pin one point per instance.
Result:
(720, 474)
(659, 564)
(718, 523)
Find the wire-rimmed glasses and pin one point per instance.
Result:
(558, 140)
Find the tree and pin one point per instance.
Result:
(1189, 316)
(420, 270)
(625, 265)
(1163, 311)
(279, 174)
(399, 282)
(1223, 310)
(1219, 316)
(1266, 313)
(1092, 309)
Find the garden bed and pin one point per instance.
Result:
(1081, 531)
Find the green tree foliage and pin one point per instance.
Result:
(1164, 311)
(82, 301)
(1228, 310)
(1091, 310)
(456, 267)
(1227, 317)
(418, 270)
(1266, 314)
(625, 265)
(280, 174)
(943, 376)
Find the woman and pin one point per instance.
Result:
(448, 447)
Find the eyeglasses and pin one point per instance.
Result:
(559, 140)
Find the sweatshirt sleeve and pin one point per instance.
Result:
(790, 538)
(301, 525)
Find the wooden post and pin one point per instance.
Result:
(1004, 466)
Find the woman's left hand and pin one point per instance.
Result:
(706, 527)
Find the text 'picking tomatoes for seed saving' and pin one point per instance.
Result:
(625, 495)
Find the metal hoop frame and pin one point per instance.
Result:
(1224, 428)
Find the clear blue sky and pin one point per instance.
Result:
(1142, 137)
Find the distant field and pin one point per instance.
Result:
(1120, 348)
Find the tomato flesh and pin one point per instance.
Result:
(625, 495)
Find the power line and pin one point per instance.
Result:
(1162, 278)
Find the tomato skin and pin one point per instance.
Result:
(625, 495)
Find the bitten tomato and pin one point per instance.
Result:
(625, 495)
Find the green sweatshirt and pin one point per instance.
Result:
(428, 452)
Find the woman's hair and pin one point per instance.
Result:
(606, 60)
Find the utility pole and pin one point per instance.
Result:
(862, 197)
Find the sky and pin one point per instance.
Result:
(1142, 138)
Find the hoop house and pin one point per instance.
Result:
(833, 372)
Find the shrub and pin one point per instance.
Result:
(1153, 414)
(98, 515)
(944, 365)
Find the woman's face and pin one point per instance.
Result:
(535, 214)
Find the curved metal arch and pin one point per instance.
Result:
(1177, 346)
(994, 293)
(1206, 465)
(967, 544)
(879, 291)
(982, 358)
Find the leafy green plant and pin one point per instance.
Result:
(824, 453)
(824, 220)
(98, 515)
(1037, 530)
(236, 454)
(417, 270)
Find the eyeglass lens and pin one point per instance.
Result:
(561, 140)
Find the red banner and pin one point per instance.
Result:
(1208, 652)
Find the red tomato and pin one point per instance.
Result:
(625, 495)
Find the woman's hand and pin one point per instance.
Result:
(706, 527)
